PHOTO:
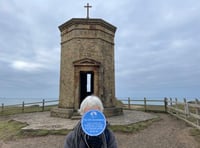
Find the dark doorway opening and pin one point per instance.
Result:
(86, 84)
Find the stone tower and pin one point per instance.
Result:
(87, 65)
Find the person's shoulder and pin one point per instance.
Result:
(70, 135)
(110, 138)
(68, 140)
(109, 133)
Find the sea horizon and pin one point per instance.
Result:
(13, 101)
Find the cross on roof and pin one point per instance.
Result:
(88, 7)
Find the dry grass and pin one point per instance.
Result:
(10, 129)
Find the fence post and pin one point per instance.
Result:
(170, 104)
(43, 101)
(2, 108)
(165, 101)
(176, 100)
(145, 104)
(186, 108)
(197, 111)
(23, 106)
(170, 101)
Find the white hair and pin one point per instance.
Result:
(90, 102)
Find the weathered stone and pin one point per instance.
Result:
(87, 49)
(61, 112)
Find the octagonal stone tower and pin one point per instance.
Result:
(87, 65)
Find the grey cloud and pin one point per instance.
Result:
(156, 45)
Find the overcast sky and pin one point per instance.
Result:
(157, 46)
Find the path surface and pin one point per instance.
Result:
(166, 133)
(43, 120)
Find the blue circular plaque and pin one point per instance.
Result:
(93, 123)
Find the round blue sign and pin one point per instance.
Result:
(93, 123)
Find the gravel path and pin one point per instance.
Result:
(166, 133)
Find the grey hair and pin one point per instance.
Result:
(90, 102)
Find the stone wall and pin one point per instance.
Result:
(87, 45)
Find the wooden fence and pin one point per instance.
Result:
(27, 107)
(145, 104)
(189, 111)
(140, 104)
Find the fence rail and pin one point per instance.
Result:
(139, 104)
(189, 111)
(27, 107)
(145, 104)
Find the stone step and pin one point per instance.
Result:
(76, 117)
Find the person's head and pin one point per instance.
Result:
(89, 103)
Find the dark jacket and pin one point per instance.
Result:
(78, 139)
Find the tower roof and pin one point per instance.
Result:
(77, 21)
